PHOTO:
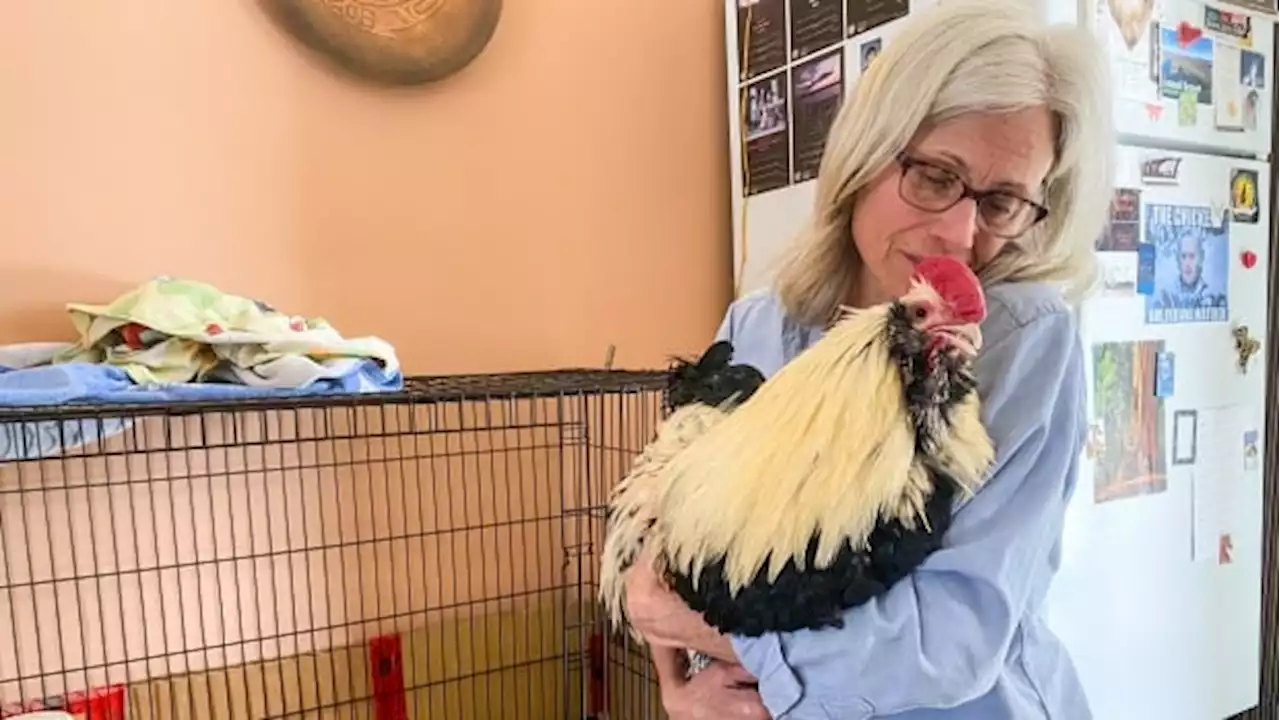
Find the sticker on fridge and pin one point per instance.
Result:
(1122, 232)
(1253, 70)
(1191, 247)
(1253, 85)
(1251, 450)
(1186, 68)
(1244, 196)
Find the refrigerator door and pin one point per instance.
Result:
(1193, 74)
(1159, 591)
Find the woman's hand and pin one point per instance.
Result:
(721, 690)
(663, 619)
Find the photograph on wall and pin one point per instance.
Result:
(762, 37)
(864, 15)
(817, 88)
(815, 25)
(766, 162)
(1186, 69)
(1129, 438)
(1190, 270)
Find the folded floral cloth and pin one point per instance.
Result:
(170, 331)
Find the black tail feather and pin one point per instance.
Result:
(712, 379)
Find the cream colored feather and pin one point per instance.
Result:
(635, 498)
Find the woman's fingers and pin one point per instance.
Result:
(670, 664)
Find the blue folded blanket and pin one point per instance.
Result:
(69, 383)
(89, 382)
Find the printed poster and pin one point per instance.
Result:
(762, 37)
(815, 25)
(865, 15)
(1127, 442)
(1191, 264)
(817, 89)
(766, 163)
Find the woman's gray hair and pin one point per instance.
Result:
(966, 56)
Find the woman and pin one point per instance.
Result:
(982, 134)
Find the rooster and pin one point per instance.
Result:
(778, 507)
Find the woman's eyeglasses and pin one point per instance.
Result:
(931, 188)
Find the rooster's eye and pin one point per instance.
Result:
(921, 312)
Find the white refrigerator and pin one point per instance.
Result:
(1159, 598)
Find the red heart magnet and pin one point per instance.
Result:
(1248, 258)
(1188, 33)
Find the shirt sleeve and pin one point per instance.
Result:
(939, 637)
(725, 332)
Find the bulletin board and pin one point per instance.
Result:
(790, 66)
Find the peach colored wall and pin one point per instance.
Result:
(572, 168)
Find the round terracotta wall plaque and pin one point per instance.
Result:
(395, 42)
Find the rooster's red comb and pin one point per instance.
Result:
(957, 284)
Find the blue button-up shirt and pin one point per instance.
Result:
(962, 637)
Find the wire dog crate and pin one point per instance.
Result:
(424, 554)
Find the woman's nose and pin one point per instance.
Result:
(956, 227)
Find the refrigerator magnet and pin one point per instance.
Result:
(1184, 437)
(1164, 374)
(1251, 450)
(1188, 34)
(1246, 347)
(1248, 259)
(1146, 284)
(1244, 195)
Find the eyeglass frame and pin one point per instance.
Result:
(906, 161)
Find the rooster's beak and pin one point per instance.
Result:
(965, 338)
